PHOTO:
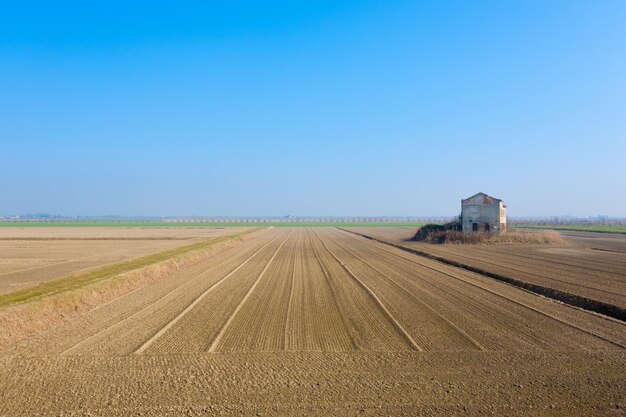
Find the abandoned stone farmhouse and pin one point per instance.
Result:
(483, 213)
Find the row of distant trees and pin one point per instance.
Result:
(306, 220)
(231, 220)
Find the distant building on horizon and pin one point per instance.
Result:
(483, 213)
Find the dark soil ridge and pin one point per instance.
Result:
(584, 303)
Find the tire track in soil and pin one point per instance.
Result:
(367, 325)
(342, 313)
(394, 323)
(413, 259)
(406, 291)
(595, 265)
(223, 330)
(69, 333)
(119, 324)
(480, 259)
(291, 295)
(189, 281)
(548, 315)
(169, 325)
(595, 300)
(261, 322)
(194, 332)
(461, 303)
(583, 264)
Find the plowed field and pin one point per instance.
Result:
(590, 265)
(321, 322)
(33, 255)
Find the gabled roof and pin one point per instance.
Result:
(482, 198)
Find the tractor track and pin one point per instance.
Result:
(573, 300)
(165, 328)
(395, 323)
(456, 328)
(223, 330)
(589, 332)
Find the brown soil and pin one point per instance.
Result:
(148, 232)
(31, 256)
(321, 322)
(576, 268)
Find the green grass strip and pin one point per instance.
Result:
(76, 281)
(576, 228)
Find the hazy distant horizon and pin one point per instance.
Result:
(36, 216)
(368, 108)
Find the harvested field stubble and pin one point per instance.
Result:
(320, 322)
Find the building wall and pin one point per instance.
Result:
(493, 215)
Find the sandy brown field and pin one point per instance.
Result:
(321, 322)
(591, 265)
(597, 241)
(91, 233)
(33, 255)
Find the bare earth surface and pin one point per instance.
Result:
(92, 233)
(321, 322)
(591, 265)
(597, 241)
(30, 256)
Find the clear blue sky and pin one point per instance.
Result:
(312, 108)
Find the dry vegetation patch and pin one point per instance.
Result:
(450, 233)
(456, 237)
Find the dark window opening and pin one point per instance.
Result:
(474, 227)
(486, 227)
